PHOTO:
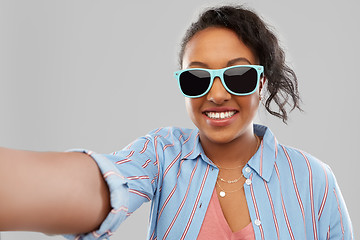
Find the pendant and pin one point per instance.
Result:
(222, 194)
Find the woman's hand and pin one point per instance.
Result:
(51, 192)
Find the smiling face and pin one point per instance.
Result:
(220, 116)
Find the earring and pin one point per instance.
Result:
(261, 98)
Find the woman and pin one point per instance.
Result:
(228, 179)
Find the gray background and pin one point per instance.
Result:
(97, 74)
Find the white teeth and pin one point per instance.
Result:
(220, 115)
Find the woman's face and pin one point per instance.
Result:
(215, 48)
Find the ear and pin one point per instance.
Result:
(262, 82)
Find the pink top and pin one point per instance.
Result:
(215, 225)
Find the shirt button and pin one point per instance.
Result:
(247, 169)
(257, 222)
(248, 181)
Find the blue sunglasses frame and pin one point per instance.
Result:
(220, 73)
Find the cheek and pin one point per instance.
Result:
(250, 103)
(254, 102)
(192, 107)
(189, 107)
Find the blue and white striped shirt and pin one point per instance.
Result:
(290, 194)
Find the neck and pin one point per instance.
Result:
(231, 154)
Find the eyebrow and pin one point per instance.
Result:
(229, 63)
(201, 64)
(240, 59)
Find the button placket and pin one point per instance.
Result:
(246, 171)
(248, 181)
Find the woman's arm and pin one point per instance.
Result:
(51, 192)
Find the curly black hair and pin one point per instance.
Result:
(282, 84)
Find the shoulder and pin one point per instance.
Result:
(167, 140)
(292, 162)
(173, 135)
(173, 143)
(164, 142)
(306, 166)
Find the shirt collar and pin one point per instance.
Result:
(193, 148)
(191, 145)
(262, 162)
(264, 159)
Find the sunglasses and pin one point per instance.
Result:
(240, 80)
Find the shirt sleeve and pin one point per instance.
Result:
(132, 177)
(335, 221)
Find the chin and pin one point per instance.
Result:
(219, 137)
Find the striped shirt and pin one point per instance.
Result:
(290, 194)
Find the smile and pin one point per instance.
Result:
(220, 115)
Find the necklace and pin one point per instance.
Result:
(230, 181)
(223, 193)
(240, 166)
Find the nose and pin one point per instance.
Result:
(218, 93)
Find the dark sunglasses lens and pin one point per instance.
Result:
(241, 79)
(194, 82)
